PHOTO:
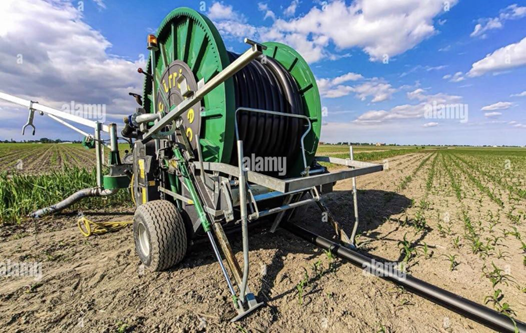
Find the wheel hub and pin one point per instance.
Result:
(144, 241)
(176, 84)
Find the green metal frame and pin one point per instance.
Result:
(191, 37)
(113, 182)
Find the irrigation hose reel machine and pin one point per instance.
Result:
(203, 114)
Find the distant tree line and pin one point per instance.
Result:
(42, 140)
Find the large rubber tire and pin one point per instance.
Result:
(160, 235)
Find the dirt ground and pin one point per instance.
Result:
(98, 285)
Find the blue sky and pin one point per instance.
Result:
(379, 64)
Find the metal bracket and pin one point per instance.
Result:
(30, 118)
(252, 304)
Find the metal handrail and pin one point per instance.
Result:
(276, 113)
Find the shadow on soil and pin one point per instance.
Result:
(375, 208)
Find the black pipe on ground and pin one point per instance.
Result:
(463, 306)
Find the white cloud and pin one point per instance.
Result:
(515, 123)
(426, 68)
(492, 114)
(100, 4)
(347, 77)
(379, 28)
(338, 91)
(497, 106)
(512, 12)
(457, 77)
(522, 94)
(62, 58)
(488, 25)
(417, 94)
(332, 88)
(430, 124)
(440, 98)
(408, 111)
(291, 9)
(507, 57)
(263, 7)
(376, 88)
(219, 11)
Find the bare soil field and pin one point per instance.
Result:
(455, 219)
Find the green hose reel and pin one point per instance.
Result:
(191, 50)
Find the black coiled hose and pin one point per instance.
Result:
(266, 84)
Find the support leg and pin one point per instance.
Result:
(337, 227)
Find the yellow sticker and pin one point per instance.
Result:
(174, 76)
(189, 134)
(190, 116)
(161, 107)
(165, 86)
(141, 168)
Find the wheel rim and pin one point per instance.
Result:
(144, 241)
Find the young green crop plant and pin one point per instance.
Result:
(497, 275)
(301, 286)
(453, 263)
(456, 242)
(407, 249)
(496, 299)
(427, 253)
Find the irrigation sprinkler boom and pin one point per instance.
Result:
(204, 112)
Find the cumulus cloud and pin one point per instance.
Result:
(50, 54)
(512, 12)
(346, 77)
(505, 58)
(497, 106)
(377, 89)
(408, 111)
(219, 11)
(291, 9)
(380, 28)
(522, 94)
(263, 7)
(333, 88)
